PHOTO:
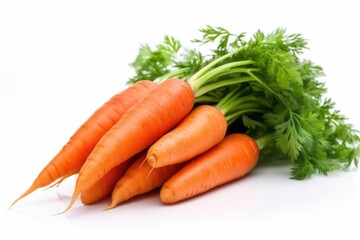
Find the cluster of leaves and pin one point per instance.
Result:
(299, 124)
(150, 63)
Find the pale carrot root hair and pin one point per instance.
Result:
(74, 153)
(231, 159)
(203, 128)
(143, 124)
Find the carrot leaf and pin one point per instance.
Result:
(262, 84)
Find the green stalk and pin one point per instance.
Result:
(253, 107)
(235, 104)
(172, 74)
(210, 65)
(206, 99)
(219, 71)
(225, 100)
(264, 140)
(271, 90)
(212, 86)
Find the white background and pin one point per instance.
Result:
(60, 60)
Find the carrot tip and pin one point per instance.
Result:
(111, 206)
(27, 192)
(167, 195)
(72, 201)
(151, 159)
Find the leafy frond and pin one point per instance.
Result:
(300, 125)
(152, 63)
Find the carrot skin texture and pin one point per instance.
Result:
(140, 178)
(105, 185)
(231, 159)
(202, 129)
(143, 124)
(75, 152)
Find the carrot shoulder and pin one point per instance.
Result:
(140, 178)
(203, 128)
(73, 155)
(143, 124)
(231, 159)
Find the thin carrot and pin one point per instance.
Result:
(140, 126)
(203, 128)
(140, 178)
(73, 155)
(61, 179)
(106, 184)
(231, 159)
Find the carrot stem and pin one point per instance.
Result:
(237, 103)
(212, 86)
(172, 74)
(210, 65)
(219, 71)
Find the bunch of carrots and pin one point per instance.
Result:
(202, 120)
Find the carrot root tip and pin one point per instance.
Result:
(167, 195)
(27, 192)
(151, 159)
(76, 194)
(111, 206)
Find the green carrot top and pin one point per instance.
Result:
(262, 85)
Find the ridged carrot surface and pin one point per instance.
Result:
(203, 128)
(140, 178)
(73, 155)
(105, 185)
(231, 159)
(143, 124)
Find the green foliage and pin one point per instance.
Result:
(226, 41)
(284, 102)
(152, 63)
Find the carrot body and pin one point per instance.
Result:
(203, 128)
(106, 184)
(73, 155)
(143, 124)
(140, 178)
(231, 159)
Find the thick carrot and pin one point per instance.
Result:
(106, 184)
(202, 129)
(140, 178)
(231, 159)
(143, 124)
(73, 155)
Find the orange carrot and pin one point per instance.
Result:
(106, 184)
(202, 129)
(140, 178)
(61, 179)
(231, 159)
(140, 126)
(73, 155)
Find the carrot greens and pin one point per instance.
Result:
(266, 88)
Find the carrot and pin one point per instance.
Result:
(203, 128)
(73, 155)
(140, 178)
(106, 184)
(231, 159)
(61, 179)
(140, 126)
